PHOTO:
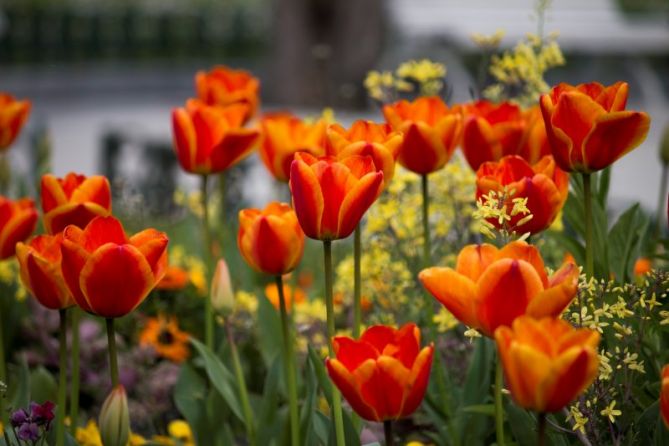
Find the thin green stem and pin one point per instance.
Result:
(62, 378)
(113, 358)
(589, 257)
(357, 310)
(75, 314)
(541, 434)
(206, 234)
(241, 384)
(289, 364)
(222, 215)
(662, 202)
(388, 431)
(329, 305)
(499, 409)
(3, 374)
(426, 221)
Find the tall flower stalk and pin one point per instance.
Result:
(589, 247)
(113, 355)
(206, 237)
(62, 377)
(75, 316)
(289, 364)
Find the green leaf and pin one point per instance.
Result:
(626, 237)
(604, 180)
(321, 374)
(522, 424)
(269, 330)
(308, 404)
(220, 377)
(322, 427)
(483, 409)
(189, 397)
(472, 427)
(18, 388)
(268, 428)
(43, 386)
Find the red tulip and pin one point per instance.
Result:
(588, 126)
(664, 395)
(544, 185)
(329, 196)
(13, 114)
(108, 273)
(210, 139)
(384, 374)
(223, 86)
(535, 144)
(74, 200)
(17, 221)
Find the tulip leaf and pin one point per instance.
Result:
(43, 385)
(483, 409)
(322, 427)
(189, 397)
(603, 182)
(269, 325)
(220, 377)
(268, 428)
(309, 404)
(321, 374)
(626, 237)
(19, 388)
(472, 427)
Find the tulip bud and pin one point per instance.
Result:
(114, 419)
(664, 146)
(222, 297)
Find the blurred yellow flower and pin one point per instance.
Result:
(180, 430)
(489, 42)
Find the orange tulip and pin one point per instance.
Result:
(384, 374)
(13, 114)
(534, 145)
(664, 396)
(108, 273)
(74, 200)
(642, 266)
(365, 138)
(290, 294)
(491, 287)
(271, 241)
(330, 197)
(223, 86)
(211, 139)
(175, 279)
(544, 185)
(547, 362)
(588, 126)
(40, 271)
(17, 221)
(431, 131)
(491, 131)
(283, 135)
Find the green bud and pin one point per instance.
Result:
(222, 295)
(114, 419)
(664, 146)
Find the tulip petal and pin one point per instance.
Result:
(235, 145)
(420, 375)
(520, 250)
(554, 300)
(474, 259)
(74, 259)
(352, 353)
(115, 280)
(357, 201)
(394, 378)
(456, 292)
(422, 151)
(46, 283)
(307, 198)
(525, 389)
(185, 140)
(378, 336)
(349, 387)
(78, 214)
(479, 143)
(406, 345)
(102, 230)
(17, 229)
(52, 193)
(153, 245)
(571, 373)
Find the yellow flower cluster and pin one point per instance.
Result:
(488, 43)
(519, 73)
(9, 276)
(193, 264)
(493, 206)
(424, 77)
(180, 434)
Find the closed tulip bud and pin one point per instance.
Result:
(491, 287)
(544, 185)
(222, 86)
(17, 221)
(270, 240)
(588, 127)
(664, 146)
(74, 200)
(13, 115)
(114, 421)
(431, 132)
(547, 363)
(664, 395)
(222, 296)
(384, 374)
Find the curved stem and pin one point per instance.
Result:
(241, 383)
(289, 364)
(329, 305)
(589, 258)
(62, 377)
(111, 345)
(206, 234)
(74, 389)
(388, 431)
(541, 434)
(499, 409)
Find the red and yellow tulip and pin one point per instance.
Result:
(210, 139)
(534, 145)
(39, 262)
(13, 115)
(283, 135)
(664, 395)
(74, 200)
(491, 287)
(547, 362)
(108, 273)
(331, 196)
(17, 221)
(384, 374)
(431, 132)
(588, 126)
(270, 240)
(543, 184)
(223, 86)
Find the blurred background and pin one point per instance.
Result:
(103, 75)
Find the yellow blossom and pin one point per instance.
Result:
(610, 412)
(488, 42)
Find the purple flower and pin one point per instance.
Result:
(29, 432)
(18, 418)
(41, 414)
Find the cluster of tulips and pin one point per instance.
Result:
(335, 174)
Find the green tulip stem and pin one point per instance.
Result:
(241, 384)
(206, 235)
(62, 377)
(113, 358)
(3, 374)
(289, 364)
(541, 433)
(662, 202)
(589, 257)
(357, 310)
(329, 305)
(388, 431)
(499, 409)
(74, 385)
